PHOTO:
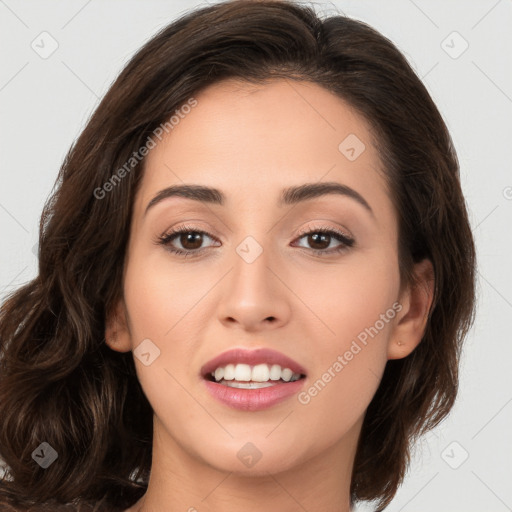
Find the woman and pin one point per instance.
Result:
(255, 277)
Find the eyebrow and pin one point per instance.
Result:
(289, 196)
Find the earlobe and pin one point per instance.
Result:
(117, 335)
(416, 303)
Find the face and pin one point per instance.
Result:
(258, 272)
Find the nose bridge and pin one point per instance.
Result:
(252, 259)
(254, 231)
(252, 292)
(254, 247)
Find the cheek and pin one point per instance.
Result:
(355, 315)
(160, 301)
(158, 312)
(160, 297)
(348, 297)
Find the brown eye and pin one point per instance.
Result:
(319, 240)
(191, 240)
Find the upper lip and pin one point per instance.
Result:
(251, 357)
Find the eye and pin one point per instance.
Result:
(321, 239)
(189, 237)
(191, 240)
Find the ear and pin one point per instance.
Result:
(117, 333)
(416, 300)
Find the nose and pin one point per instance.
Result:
(255, 295)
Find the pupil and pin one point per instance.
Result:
(190, 237)
(316, 236)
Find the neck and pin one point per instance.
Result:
(181, 481)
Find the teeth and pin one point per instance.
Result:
(247, 385)
(287, 374)
(243, 372)
(229, 372)
(219, 374)
(260, 373)
(275, 372)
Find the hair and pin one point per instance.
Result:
(59, 381)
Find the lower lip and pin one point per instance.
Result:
(253, 399)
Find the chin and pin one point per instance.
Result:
(252, 458)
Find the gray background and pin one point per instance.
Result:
(45, 103)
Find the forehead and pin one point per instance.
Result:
(250, 139)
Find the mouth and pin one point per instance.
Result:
(252, 380)
(245, 376)
(251, 369)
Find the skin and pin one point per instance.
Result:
(250, 142)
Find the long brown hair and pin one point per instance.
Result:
(59, 381)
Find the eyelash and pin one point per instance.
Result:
(166, 239)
